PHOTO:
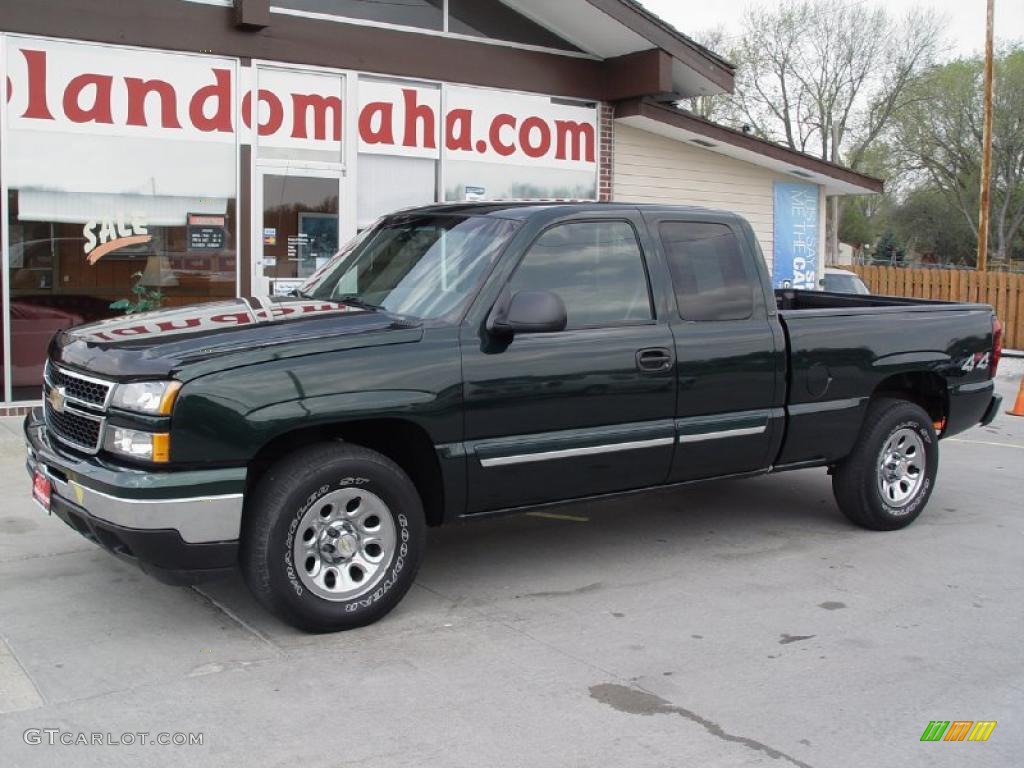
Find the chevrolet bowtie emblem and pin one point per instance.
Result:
(57, 397)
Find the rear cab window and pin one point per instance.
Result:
(711, 275)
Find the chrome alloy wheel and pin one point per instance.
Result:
(901, 467)
(344, 543)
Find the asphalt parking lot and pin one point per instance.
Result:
(739, 623)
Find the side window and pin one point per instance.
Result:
(709, 271)
(597, 269)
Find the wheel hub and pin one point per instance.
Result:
(338, 542)
(901, 468)
(343, 544)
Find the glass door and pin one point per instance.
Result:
(298, 226)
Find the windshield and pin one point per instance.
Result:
(425, 266)
(845, 284)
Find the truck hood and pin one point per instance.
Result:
(211, 336)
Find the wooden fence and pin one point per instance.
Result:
(1004, 291)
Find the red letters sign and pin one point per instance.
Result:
(77, 87)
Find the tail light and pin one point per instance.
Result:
(997, 345)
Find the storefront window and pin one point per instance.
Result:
(378, 192)
(116, 180)
(400, 137)
(501, 146)
(300, 227)
(3, 318)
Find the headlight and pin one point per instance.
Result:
(153, 397)
(136, 444)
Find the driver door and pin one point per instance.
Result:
(583, 411)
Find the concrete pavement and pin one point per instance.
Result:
(740, 623)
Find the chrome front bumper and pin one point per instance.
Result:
(177, 525)
(196, 519)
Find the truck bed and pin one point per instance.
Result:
(842, 347)
(788, 300)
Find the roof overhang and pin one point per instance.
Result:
(609, 29)
(676, 124)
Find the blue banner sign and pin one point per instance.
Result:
(795, 263)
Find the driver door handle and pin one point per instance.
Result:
(654, 359)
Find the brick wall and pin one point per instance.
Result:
(606, 129)
(15, 410)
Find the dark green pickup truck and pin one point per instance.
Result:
(460, 360)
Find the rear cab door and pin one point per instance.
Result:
(729, 346)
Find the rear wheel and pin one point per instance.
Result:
(333, 537)
(886, 481)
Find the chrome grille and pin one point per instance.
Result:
(74, 406)
(76, 428)
(84, 390)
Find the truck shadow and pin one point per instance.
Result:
(723, 518)
(576, 548)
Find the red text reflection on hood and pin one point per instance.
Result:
(199, 318)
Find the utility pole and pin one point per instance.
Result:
(986, 145)
(833, 234)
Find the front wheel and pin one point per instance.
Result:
(886, 481)
(333, 537)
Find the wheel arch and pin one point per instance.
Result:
(404, 442)
(924, 388)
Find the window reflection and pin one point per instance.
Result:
(418, 265)
(69, 263)
(596, 267)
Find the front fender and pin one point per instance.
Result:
(228, 416)
(280, 418)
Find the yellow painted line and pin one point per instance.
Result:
(553, 516)
(983, 442)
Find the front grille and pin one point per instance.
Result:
(78, 388)
(76, 428)
(74, 406)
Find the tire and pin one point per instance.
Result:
(886, 496)
(288, 550)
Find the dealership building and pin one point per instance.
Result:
(226, 147)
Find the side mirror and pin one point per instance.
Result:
(527, 312)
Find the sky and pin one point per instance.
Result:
(966, 29)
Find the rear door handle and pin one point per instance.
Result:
(654, 359)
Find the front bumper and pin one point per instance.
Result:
(181, 527)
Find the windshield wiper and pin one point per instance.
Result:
(356, 301)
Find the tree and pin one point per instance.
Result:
(889, 249)
(854, 228)
(715, 107)
(923, 220)
(814, 70)
(937, 135)
(821, 75)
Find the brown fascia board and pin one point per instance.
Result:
(662, 35)
(679, 119)
(195, 27)
(644, 73)
(252, 14)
